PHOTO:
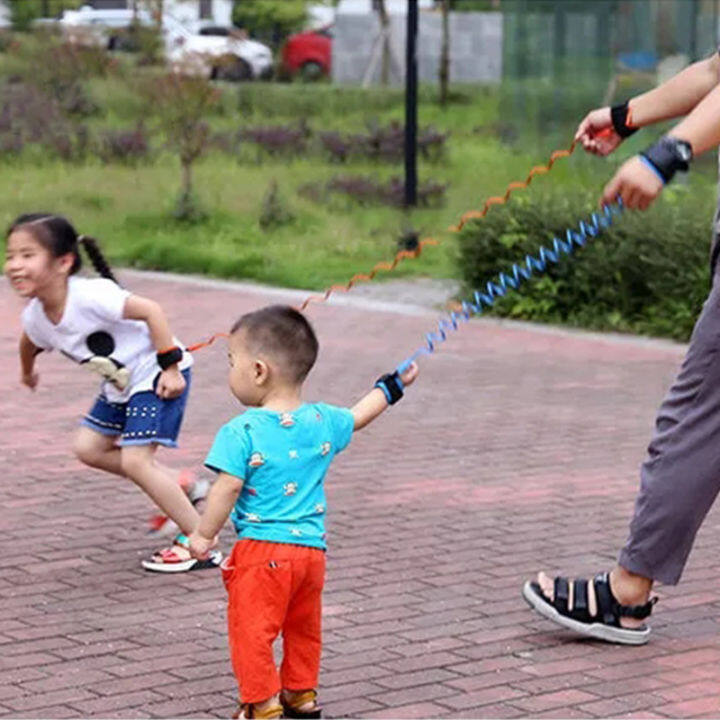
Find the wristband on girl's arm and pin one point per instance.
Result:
(620, 116)
(392, 386)
(167, 358)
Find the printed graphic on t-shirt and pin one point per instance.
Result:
(102, 345)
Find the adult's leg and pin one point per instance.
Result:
(680, 478)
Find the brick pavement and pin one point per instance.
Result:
(516, 450)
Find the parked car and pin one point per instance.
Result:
(227, 55)
(308, 54)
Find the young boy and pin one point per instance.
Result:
(271, 463)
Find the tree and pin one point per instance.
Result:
(270, 20)
(23, 12)
(385, 34)
(445, 53)
(179, 104)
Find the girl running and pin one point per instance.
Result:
(127, 340)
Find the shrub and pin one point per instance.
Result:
(275, 212)
(278, 139)
(647, 274)
(29, 116)
(369, 191)
(386, 144)
(124, 146)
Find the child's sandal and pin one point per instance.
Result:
(177, 559)
(569, 607)
(248, 710)
(293, 710)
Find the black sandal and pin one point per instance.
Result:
(605, 625)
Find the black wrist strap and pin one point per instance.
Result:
(391, 385)
(664, 157)
(167, 358)
(619, 115)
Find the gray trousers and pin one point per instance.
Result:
(680, 478)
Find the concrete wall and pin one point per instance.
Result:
(475, 47)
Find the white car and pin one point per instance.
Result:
(228, 56)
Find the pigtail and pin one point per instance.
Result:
(96, 257)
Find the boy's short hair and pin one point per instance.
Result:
(283, 333)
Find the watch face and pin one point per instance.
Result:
(684, 151)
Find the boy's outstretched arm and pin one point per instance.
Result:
(220, 502)
(377, 400)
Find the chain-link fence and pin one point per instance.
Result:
(562, 57)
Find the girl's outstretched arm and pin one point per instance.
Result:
(28, 353)
(377, 400)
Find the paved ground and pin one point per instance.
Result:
(516, 450)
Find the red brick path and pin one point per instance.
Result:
(516, 450)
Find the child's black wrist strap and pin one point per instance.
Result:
(169, 357)
(619, 116)
(392, 386)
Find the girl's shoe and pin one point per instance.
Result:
(248, 710)
(177, 559)
(161, 526)
(303, 705)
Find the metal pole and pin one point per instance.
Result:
(411, 105)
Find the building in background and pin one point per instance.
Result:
(476, 48)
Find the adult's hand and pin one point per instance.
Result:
(597, 134)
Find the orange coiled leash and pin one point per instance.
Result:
(470, 215)
(408, 254)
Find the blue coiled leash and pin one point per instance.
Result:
(520, 271)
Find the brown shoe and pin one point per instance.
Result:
(248, 710)
(297, 708)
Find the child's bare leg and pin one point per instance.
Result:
(160, 483)
(98, 451)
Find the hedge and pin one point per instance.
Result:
(648, 274)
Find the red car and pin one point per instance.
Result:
(308, 54)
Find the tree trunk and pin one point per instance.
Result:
(445, 53)
(385, 30)
(185, 201)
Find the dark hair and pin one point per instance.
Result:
(285, 334)
(59, 237)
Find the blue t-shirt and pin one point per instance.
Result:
(282, 459)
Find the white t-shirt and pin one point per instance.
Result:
(93, 332)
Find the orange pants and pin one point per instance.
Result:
(274, 588)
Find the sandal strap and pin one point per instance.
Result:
(610, 610)
(639, 612)
(561, 595)
(182, 540)
(580, 595)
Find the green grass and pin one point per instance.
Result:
(130, 209)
